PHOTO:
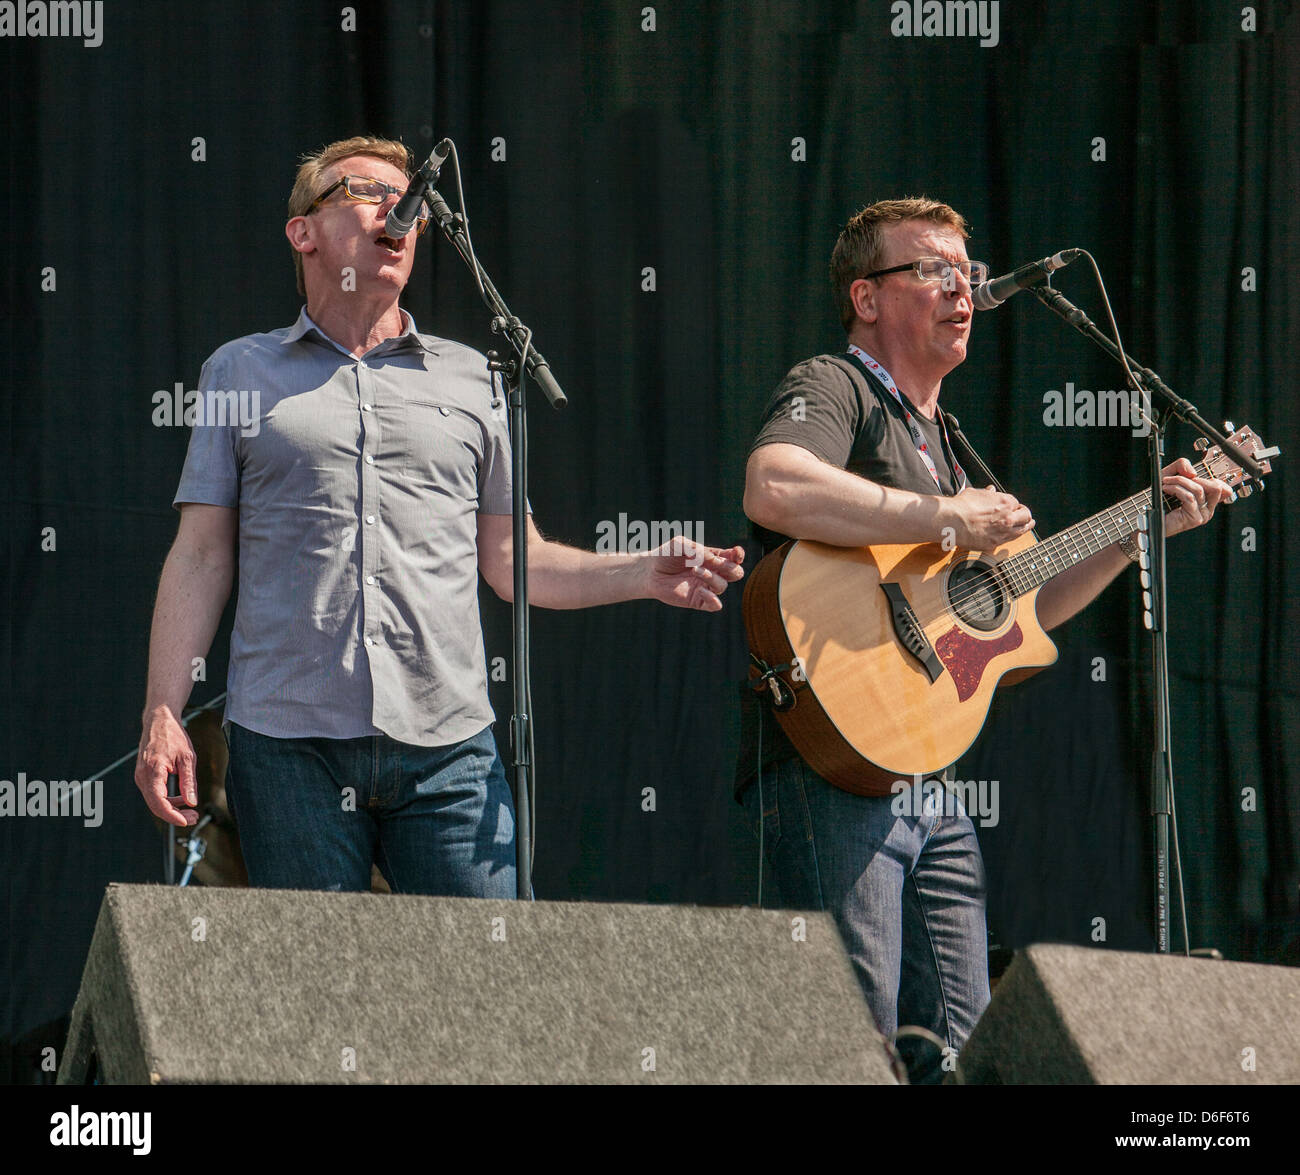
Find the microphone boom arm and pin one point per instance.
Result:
(1185, 410)
(516, 332)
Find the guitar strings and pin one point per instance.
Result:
(1117, 516)
(1019, 579)
(1020, 573)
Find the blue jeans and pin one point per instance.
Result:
(904, 880)
(314, 813)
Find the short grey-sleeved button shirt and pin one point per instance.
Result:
(358, 482)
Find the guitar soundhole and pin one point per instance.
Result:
(977, 595)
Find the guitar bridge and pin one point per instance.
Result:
(909, 631)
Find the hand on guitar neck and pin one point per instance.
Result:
(1199, 496)
(985, 519)
(1076, 588)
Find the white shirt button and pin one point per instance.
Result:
(370, 640)
(365, 407)
(370, 579)
(370, 460)
(370, 520)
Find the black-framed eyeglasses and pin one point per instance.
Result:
(934, 269)
(367, 190)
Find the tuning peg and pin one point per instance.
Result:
(1228, 426)
(1200, 444)
(1245, 491)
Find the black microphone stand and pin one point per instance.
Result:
(1154, 593)
(527, 360)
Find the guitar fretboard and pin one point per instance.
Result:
(1032, 568)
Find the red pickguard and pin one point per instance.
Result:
(966, 656)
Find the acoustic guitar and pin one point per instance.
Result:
(881, 661)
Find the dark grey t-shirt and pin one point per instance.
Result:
(837, 410)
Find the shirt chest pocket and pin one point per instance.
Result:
(443, 448)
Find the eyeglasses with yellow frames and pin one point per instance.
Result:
(367, 190)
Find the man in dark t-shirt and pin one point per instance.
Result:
(855, 451)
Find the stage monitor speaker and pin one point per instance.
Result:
(202, 985)
(1065, 1015)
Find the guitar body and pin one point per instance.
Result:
(882, 661)
(869, 710)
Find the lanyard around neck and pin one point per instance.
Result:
(913, 428)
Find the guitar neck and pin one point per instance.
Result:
(1033, 567)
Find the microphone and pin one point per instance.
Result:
(997, 290)
(403, 215)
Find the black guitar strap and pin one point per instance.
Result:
(968, 453)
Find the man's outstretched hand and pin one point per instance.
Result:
(686, 574)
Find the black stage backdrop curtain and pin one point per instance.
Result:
(721, 149)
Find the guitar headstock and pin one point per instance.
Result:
(1221, 465)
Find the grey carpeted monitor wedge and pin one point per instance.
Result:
(1073, 1016)
(237, 985)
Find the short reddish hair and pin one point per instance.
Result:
(862, 241)
(308, 183)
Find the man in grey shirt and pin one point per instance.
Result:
(364, 492)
